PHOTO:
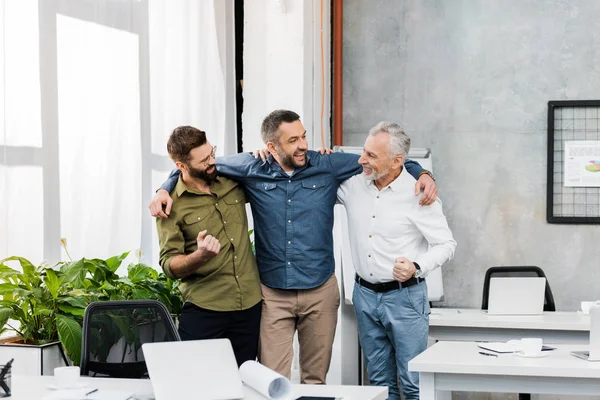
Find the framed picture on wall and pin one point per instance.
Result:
(573, 186)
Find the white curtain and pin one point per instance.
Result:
(89, 92)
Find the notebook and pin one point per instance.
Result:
(516, 296)
(203, 369)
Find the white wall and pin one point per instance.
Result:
(282, 65)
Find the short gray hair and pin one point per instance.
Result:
(399, 141)
(269, 130)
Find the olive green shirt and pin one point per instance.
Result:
(229, 281)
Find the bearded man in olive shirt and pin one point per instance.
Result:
(205, 244)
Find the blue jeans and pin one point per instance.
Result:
(393, 328)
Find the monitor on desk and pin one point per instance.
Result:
(516, 296)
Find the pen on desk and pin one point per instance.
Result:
(91, 391)
(488, 354)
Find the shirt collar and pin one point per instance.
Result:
(394, 185)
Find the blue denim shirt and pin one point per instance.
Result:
(293, 215)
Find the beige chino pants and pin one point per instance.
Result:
(313, 312)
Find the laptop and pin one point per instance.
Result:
(203, 369)
(593, 354)
(516, 296)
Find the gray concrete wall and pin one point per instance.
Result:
(471, 79)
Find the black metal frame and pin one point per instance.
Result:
(130, 370)
(549, 304)
(550, 218)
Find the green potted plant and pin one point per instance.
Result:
(44, 305)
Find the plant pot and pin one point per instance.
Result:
(32, 359)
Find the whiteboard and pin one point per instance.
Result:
(341, 241)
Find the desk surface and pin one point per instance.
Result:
(35, 387)
(464, 358)
(475, 318)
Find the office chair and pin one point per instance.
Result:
(113, 334)
(517, 271)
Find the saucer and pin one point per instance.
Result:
(538, 355)
(77, 385)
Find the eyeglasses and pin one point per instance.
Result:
(206, 161)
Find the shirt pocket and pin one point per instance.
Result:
(313, 192)
(196, 222)
(266, 186)
(236, 207)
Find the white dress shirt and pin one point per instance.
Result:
(390, 223)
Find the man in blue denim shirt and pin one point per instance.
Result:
(292, 195)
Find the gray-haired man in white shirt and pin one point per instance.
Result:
(395, 243)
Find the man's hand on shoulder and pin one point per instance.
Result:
(429, 188)
(161, 198)
(263, 154)
(324, 150)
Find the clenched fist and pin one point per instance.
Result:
(208, 245)
(404, 269)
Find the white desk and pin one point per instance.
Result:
(448, 366)
(476, 325)
(34, 387)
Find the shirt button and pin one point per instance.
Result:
(290, 181)
(369, 255)
(371, 274)
(289, 221)
(235, 257)
(289, 200)
(314, 186)
(236, 277)
(289, 242)
(198, 218)
(226, 221)
(377, 196)
(370, 236)
(232, 239)
(373, 216)
(289, 263)
(237, 201)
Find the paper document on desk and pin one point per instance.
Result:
(500, 347)
(78, 394)
(265, 381)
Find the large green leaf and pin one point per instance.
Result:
(5, 315)
(67, 309)
(114, 263)
(8, 288)
(52, 282)
(80, 302)
(74, 273)
(26, 265)
(69, 333)
(138, 272)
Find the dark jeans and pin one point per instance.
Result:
(240, 327)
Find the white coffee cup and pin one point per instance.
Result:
(531, 346)
(586, 305)
(66, 377)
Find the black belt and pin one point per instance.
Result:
(387, 286)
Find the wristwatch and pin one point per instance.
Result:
(427, 173)
(418, 272)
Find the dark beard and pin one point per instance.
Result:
(289, 161)
(209, 178)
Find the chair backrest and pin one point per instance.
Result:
(516, 271)
(113, 334)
